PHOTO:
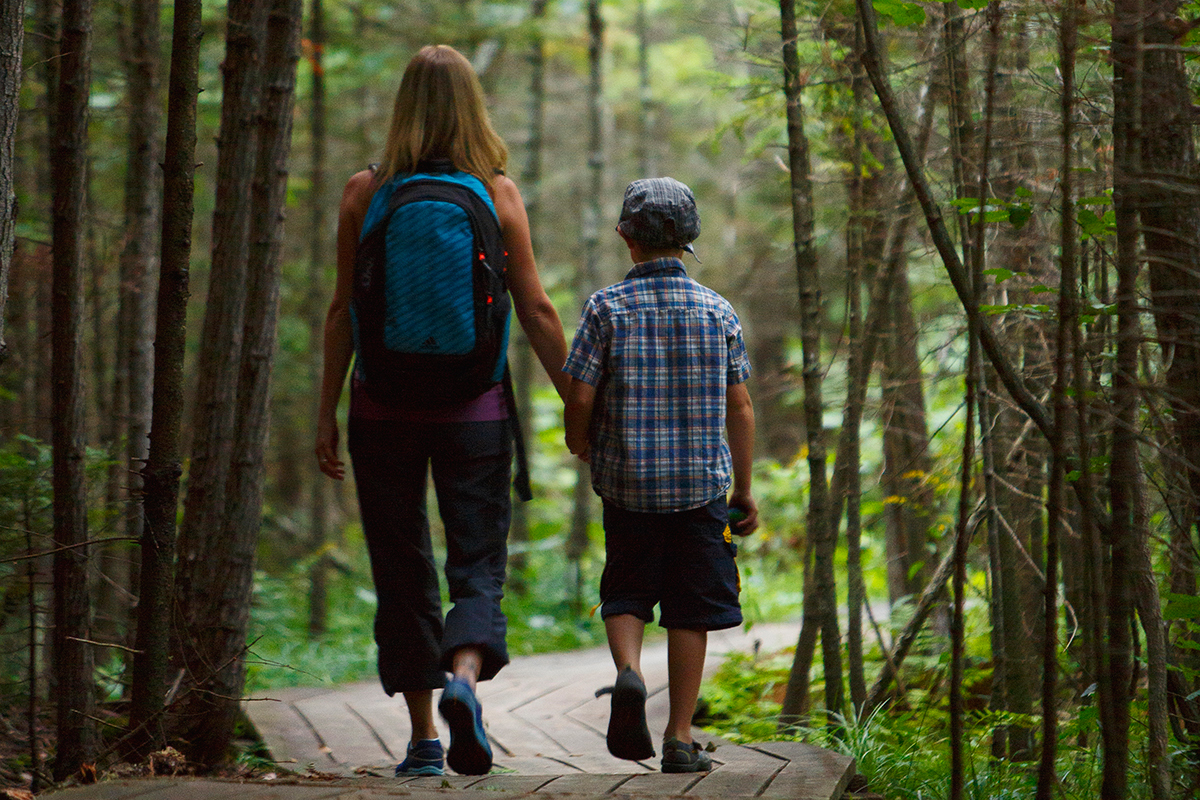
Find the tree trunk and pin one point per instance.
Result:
(72, 605)
(163, 468)
(852, 417)
(1067, 322)
(143, 202)
(197, 641)
(1124, 466)
(318, 515)
(522, 359)
(820, 601)
(587, 281)
(12, 41)
(1171, 231)
(219, 603)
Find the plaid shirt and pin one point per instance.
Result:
(661, 350)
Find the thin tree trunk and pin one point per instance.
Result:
(143, 202)
(523, 366)
(577, 537)
(645, 117)
(1067, 320)
(1007, 372)
(225, 607)
(163, 468)
(820, 612)
(855, 256)
(199, 645)
(318, 574)
(931, 597)
(1171, 231)
(1124, 466)
(72, 605)
(12, 42)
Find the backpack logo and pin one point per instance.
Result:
(430, 306)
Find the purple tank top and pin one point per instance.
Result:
(488, 407)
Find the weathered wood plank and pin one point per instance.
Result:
(592, 784)
(738, 772)
(812, 773)
(660, 785)
(349, 742)
(512, 783)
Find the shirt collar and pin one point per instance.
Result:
(664, 266)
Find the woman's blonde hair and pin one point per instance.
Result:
(440, 114)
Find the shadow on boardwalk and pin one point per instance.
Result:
(547, 730)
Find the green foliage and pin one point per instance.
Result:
(903, 750)
(26, 523)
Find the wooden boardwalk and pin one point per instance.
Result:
(547, 731)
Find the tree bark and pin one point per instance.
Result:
(318, 574)
(587, 281)
(1171, 232)
(820, 611)
(143, 203)
(1124, 466)
(73, 657)
(522, 356)
(197, 642)
(219, 604)
(12, 41)
(163, 468)
(1067, 321)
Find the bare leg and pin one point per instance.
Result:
(625, 633)
(685, 669)
(420, 714)
(467, 663)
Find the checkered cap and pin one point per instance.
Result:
(660, 212)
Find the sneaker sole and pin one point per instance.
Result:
(466, 755)
(680, 768)
(420, 771)
(628, 735)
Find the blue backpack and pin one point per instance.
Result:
(430, 305)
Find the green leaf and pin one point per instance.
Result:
(1019, 215)
(899, 12)
(1042, 288)
(972, 5)
(1100, 200)
(1182, 606)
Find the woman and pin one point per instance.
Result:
(439, 115)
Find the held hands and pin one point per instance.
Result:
(327, 451)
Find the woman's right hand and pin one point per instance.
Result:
(327, 450)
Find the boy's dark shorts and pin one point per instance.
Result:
(683, 561)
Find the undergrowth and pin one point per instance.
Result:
(903, 751)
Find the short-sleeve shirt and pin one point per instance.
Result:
(661, 350)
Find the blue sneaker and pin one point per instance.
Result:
(469, 753)
(424, 758)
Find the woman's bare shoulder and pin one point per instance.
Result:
(356, 197)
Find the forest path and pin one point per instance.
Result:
(547, 731)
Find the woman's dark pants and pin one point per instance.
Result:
(471, 467)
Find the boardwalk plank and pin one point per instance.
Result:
(593, 784)
(512, 783)
(812, 773)
(350, 743)
(660, 785)
(739, 772)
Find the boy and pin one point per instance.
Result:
(658, 370)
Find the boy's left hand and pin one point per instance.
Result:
(745, 504)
